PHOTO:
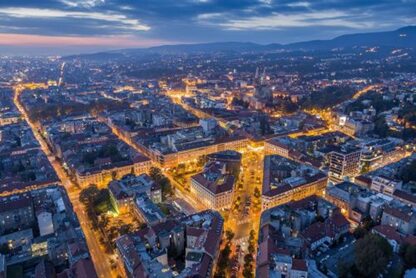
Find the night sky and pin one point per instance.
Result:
(74, 26)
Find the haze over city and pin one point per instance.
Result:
(207, 138)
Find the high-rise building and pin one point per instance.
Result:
(344, 162)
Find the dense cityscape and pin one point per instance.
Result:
(211, 160)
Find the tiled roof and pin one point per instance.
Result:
(388, 232)
(300, 265)
(408, 197)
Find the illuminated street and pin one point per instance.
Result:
(179, 189)
(100, 258)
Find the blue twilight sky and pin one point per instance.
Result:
(71, 26)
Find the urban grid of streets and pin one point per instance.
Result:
(240, 221)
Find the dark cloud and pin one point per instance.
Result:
(205, 20)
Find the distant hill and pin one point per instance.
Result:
(204, 47)
(401, 38)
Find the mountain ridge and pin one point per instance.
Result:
(403, 37)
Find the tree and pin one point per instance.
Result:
(343, 269)
(328, 97)
(223, 261)
(248, 271)
(166, 186)
(380, 127)
(372, 254)
(89, 194)
(368, 223)
(202, 160)
(125, 229)
(248, 259)
(103, 221)
(89, 197)
(251, 248)
(251, 244)
(251, 237)
(365, 168)
(103, 202)
(257, 192)
(180, 169)
(239, 102)
(408, 253)
(408, 173)
(4, 249)
(114, 175)
(229, 235)
(248, 266)
(359, 232)
(157, 175)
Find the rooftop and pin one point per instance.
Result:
(282, 174)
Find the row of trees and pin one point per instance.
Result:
(55, 110)
(224, 257)
(328, 97)
(248, 270)
(257, 198)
